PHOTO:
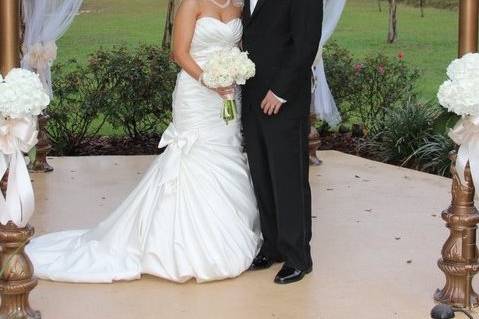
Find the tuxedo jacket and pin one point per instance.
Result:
(282, 38)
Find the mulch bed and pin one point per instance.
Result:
(148, 145)
(343, 142)
(106, 145)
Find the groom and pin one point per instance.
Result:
(282, 38)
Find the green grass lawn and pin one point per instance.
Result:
(429, 43)
(104, 23)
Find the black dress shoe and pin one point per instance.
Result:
(288, 275)
(261, 262)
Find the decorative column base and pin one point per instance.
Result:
(16, 280)
(43, 147)
(314, 142)
(459, 260)
(458, 285)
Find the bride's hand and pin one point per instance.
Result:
(225, 91)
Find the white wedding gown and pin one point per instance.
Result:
(194, 213)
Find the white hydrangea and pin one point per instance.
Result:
(22, 94)
(227, 67)
(460, 93)
(466, 67)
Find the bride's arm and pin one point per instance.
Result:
(183, 30)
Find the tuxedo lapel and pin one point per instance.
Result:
(246, 11)
(257, 9)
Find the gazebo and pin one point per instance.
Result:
(327, 294)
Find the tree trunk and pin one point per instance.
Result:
(421, 5)
(392, 34)
(170, 17)
(379, 6)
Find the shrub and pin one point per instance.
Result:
(380, 84)
(406, 129)
(365, 89)
(339, 69)
(434, 154)
(77, 111)
(131, 90)
(141, 83)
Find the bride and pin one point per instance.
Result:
(194, 213)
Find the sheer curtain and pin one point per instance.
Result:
(45, 22)
(323, 103)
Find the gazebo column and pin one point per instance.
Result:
(459, 260)
(468, 26)
(9, 35)
(16, 272)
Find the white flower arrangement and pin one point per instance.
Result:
(22, 94)
(22, 98)
(225, 68)
(460, 93)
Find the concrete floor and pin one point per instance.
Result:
(377, 237)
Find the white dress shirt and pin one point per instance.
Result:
(253, 4)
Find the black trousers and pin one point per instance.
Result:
(277, 151)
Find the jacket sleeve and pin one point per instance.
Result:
(306, 29)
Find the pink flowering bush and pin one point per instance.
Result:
(382, 83)
(366, 89)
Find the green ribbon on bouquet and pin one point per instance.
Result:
(229, 110)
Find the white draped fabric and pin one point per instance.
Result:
(17, 136)
(22, 98)
(45, 22)
(323, 101)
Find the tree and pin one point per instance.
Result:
(392, 33)
(170, 17)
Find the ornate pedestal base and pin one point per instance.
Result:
(16, 279)
(459, 260)
(458, 285)
(314, 142)
(40, 163)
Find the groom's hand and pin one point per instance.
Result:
(271, 104)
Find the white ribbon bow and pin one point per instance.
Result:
(183, 141)
(179, 144)
(466, 135)
(40, 55)
(17, 136)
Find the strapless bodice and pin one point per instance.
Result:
(212, 34)
(194, 105)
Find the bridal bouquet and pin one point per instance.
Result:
(22, 98)
(460, 94)
(226, 68)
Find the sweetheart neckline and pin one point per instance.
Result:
(216, 19)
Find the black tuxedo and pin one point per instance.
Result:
(282, 38)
